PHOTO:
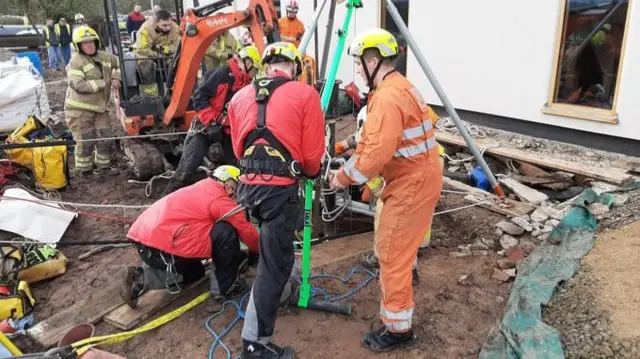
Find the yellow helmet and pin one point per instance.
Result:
(282, 51)
(251, 52)
(375, 38)
(84, 34)
(225, 173)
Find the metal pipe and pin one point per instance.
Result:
(393, 11)
(312, 27)
(116, 35)
(315, 42)
(327, 40)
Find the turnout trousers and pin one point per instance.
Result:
(409, 203)
(89, 125)
(225, 254)
(278, 210)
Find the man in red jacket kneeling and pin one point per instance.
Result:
(177, 232)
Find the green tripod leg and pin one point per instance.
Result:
(304, 300)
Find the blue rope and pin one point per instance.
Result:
(315, 291)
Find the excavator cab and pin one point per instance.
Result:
(167, 116)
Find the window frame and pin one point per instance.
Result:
(577, 111)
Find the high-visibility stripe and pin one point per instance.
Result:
(102, 160)
(288, 38)
(84, 163)
(417, 131)
(415, 150)
(83, 105)
(143, 38)
(352, 172)
(76, 73)
(88, 67)
(402, 315)
(94, 85)
(402, 326)
(106, 64)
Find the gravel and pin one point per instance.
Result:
(585, 328)
(6, 55)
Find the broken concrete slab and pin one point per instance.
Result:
(510, 228)
(547, 229)
(507, 241)
(536, 233)
(500, 275)
(598, 209)
(552, 223)
(489, 242)
(523, 222)
(523, 192)
(539, 215)
(510, 272)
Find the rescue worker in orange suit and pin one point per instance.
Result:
(398, 142)
(210, 100)
(277, 127)
(178, 231)
(291, 28)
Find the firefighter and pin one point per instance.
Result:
(398, 142)
(78, 21)
(220, 51)
(178, 231)
(158, 39)
(277, 128)
(291, 28)
(210, 101)
(92, 74)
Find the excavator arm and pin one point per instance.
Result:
(200, 29)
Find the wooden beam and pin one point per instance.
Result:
(90, 309)
(523, 192)
(608, 174)
(151, 302)
(514, 208)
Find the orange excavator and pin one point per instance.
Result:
(171, 111)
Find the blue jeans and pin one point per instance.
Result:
(66, 53)
(55, 57)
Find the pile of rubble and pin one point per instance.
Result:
(6, 55)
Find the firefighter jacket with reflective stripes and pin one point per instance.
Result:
(212, 96)
(149, 37)
(291, 30)
(50, 36)
(181, 222)
(90, 81)
(64, 36)
(222, 49)
(293, 116)
(397, 137)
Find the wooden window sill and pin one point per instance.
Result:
(582, 113)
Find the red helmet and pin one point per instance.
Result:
(293, 6)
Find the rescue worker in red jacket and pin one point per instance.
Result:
(277, 127)
(197, 222)
(210, 100)
(398, 142)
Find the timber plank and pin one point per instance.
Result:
(91, 309)
(476, 195)
(151, 302)
(610, 174)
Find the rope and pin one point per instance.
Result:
(240, 313)
(76, 204)
(155, 135)
(446, 124)
(93, 215)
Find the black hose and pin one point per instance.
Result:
(330, 307)
(11, 146)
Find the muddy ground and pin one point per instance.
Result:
(457, 301)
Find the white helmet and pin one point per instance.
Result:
(79, 16)
(360, 120)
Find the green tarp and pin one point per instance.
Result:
(521, 333)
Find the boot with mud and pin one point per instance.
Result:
(133, 286)
(215, 302)
(106, 171)
(382, 340)
(252, 350)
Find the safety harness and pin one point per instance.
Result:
(272, 158)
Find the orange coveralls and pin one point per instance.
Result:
(398, 142)
(291, 30)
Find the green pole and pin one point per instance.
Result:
(305, 287)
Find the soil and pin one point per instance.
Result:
(457, 301)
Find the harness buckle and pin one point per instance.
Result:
(262, 95)
(295, 168)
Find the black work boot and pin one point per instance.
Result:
(237, 289)
(133, 286)
(415, 277)
(370, 261)
(252, 350)
(382, 340)
(106, 171)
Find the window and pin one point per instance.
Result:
(588, 61)
(388, 24)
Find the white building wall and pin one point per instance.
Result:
(496, 57)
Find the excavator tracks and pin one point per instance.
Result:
(145, 159)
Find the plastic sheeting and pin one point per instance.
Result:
(521, 333)
(21, 94)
